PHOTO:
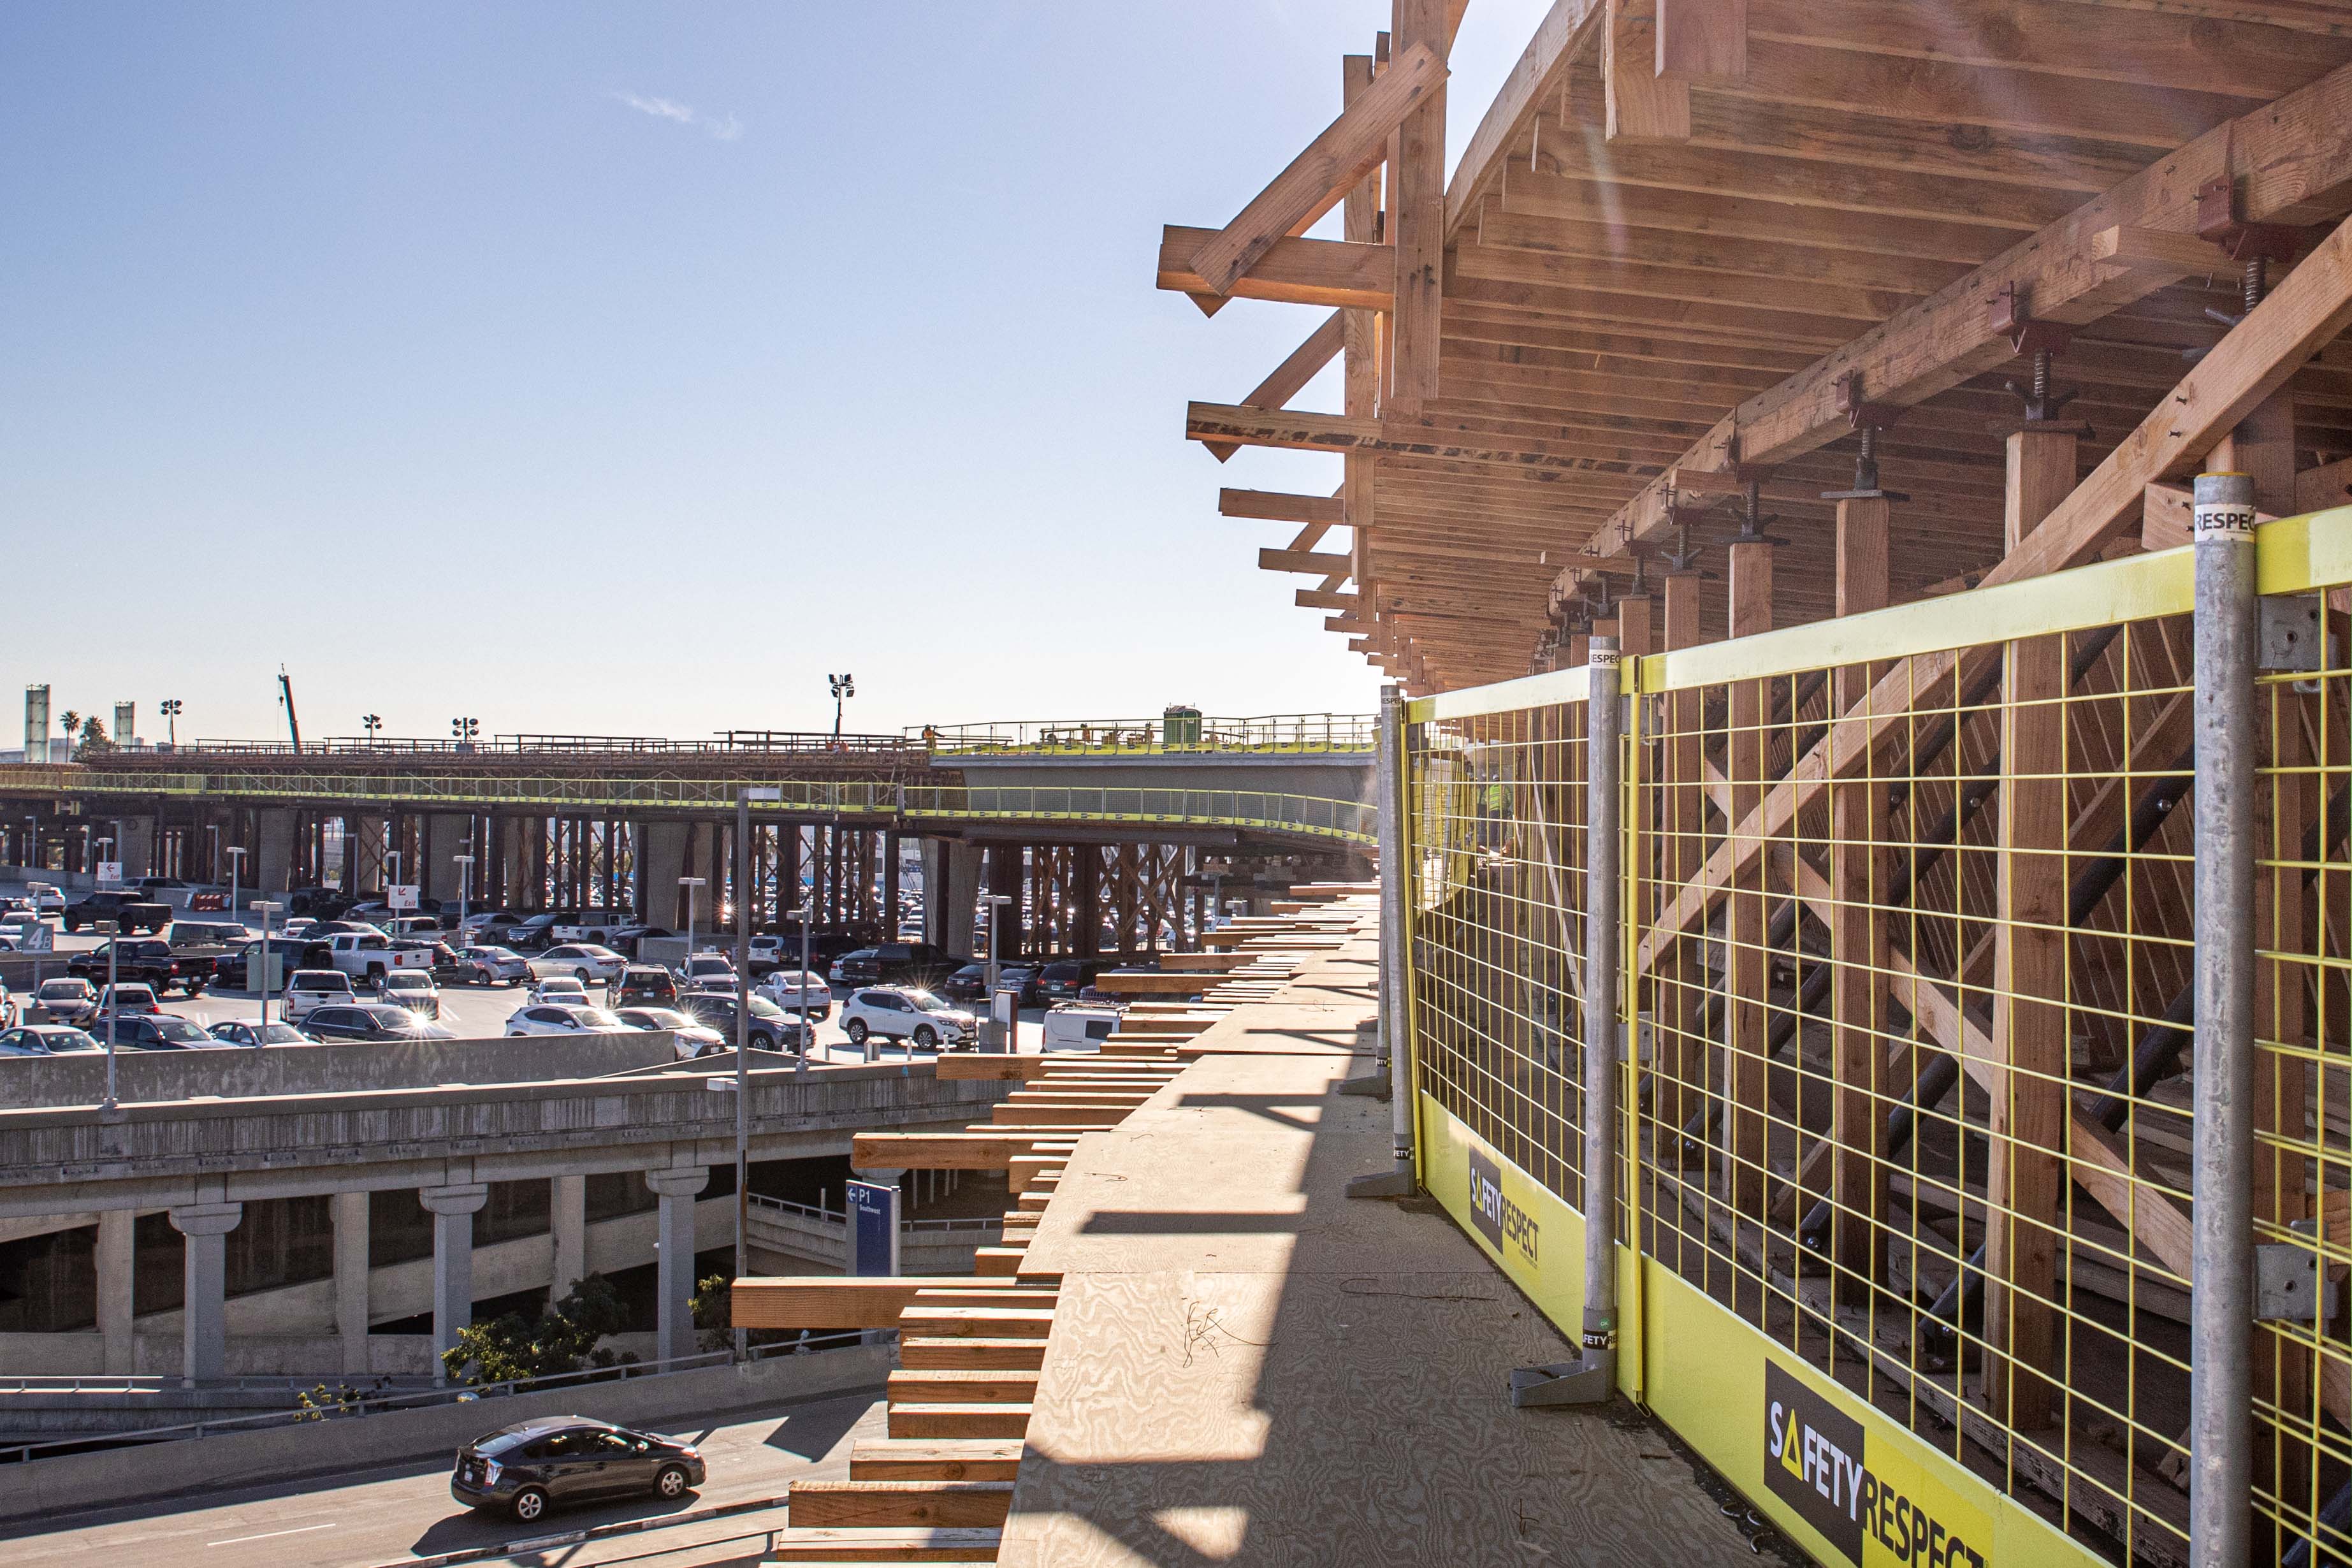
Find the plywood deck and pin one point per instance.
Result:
(1247, 1367)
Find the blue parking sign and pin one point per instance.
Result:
(873, 1228)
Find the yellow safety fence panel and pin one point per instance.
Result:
(1907, 945)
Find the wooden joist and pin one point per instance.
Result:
(839, 1301)
(1296, 272)
(898, 1503)
(935, 1459)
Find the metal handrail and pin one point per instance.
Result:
(835, 1217)
(452, 1394)
(1176, 733)
(1259, 810)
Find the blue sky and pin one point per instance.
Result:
(625, 369)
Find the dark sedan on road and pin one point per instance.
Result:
(533, 1466)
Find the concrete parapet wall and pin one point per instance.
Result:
(66, 1158)
(156, 1076)
(70, 1482)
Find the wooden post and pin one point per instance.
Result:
(1858, 835)
(1747, 1020)
(1417, 219)
(1360, 350)
(1680, 998)
(1633, 628)
(2026, 1136)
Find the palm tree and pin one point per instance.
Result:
(71, 721)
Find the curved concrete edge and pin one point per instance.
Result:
(45, 1490)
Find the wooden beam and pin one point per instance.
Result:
(1702, 41)
(819, 1301)
(1301, 560)
(1316, 599)
(1568, 29)
(1291, 376)
(1639, 105)
(2291, 169)
(1347, 149)
(1451, 437)
(1292, 272)
(1416, 219)
(1859, 868)
(1279, 506)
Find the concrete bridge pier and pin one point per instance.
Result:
(350, 1224)
(205, 1312)
(273, 858)
(951, 894)
(661, 861)
(116, 1261)
(447, 835)
(567, 1217)
(453, 1209)
(674, 1256)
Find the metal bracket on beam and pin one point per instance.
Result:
(1869, 418)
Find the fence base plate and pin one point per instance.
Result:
(1396, 1184)
(1563, 1382)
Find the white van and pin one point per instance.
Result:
(1072, 1027)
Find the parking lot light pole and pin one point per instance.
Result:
(690, 884)
(464, 864)
(996, 903)
(268, 910)
(808, 1030)
(235, 863)
(744, 797)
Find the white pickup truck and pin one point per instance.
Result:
(367, 957)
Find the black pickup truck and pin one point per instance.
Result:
(130, 911)
(144, 960)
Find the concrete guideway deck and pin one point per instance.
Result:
(1191, 1347)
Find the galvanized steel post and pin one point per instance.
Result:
(2221, 1301)
(1604, 724)
(1396, 952)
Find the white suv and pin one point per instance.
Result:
(902, 1013)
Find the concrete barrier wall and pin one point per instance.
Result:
(147, 1472)
(148, 1077)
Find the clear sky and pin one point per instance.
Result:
(624, 368)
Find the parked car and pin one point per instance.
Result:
(555, 1019)
(839, 971)
(694, 1038)
(584, 962)
(368, 956)
(154, 885)
(147, 960)
(299, 926)
(45, 1040)
(46, 898)
(413, 989)
(65, 1001)
(646, 985)
(1070, 1027)
(128, 998)
(532, 1465)
(130, 912)
(1063, 978)
(768, 951)
(1021, 979)
(629, 937)
(906, 1013)
(560, 989)
(799, 991)
(539, 930)
(898, 963)
(185, 932)
(593, 928)
(486, 925)
(701, 966)
(307, 989)
(235, 1033)
(969, 983)
(771, 1029)
(412, 928)
(495, 966)
(234, 971)
(153, 1032)
(371, 1021)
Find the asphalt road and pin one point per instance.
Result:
(386, 1516)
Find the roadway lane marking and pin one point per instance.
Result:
(273, 1534)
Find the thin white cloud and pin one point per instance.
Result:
(722, 130)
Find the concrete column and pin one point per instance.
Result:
(444, 836)
(116, 1231)
(661, 861)
(453, 1209)
(568, 1220)
(959, 898)
(205, 1312)
(934, 852)
(351, 1214)
(273, 856)
(674, 1256)
(138, 839)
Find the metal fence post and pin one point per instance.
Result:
(1396, 952)
(2221, 1304)
(1591, 1377)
